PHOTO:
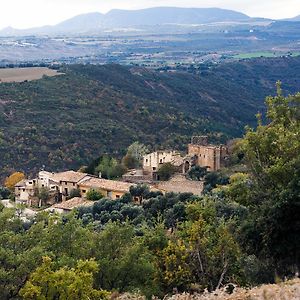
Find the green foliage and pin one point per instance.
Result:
(42, 193)
(130, 162)
(139, 191)
(63, 284)
(74, 193)
(4, 193)
(109, 168)
(197, 173)
(66, 121)
(93, 195)
(272, 154)
(213, 179)
(166, 171)
(137, 151)
(244, 231)
(120, 253)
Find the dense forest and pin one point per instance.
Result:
(66, 121)
(242, 231)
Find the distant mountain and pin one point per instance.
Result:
(295, 19)
(171, 15)
(81, 23)
(131, 18)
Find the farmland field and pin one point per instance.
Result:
(23, 74)
(265, 54)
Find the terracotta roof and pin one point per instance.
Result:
(69, 176)
(73, 203)
(110, 185)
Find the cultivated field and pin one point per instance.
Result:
(23, 74)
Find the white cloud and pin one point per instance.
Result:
(29, 13)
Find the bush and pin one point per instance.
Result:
(93, 195)
(166, 171)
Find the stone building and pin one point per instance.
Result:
(152, 161)
(213, 157)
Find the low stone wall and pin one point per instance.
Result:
(179, 184)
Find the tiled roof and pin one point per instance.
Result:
(110, 185)
(73, 203)
(69, 176)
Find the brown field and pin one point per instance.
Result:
(289, 290)
(22, 74)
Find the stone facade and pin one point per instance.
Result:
(152, 161)
(211, 156)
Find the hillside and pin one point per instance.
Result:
(127, 18)
(65, 121)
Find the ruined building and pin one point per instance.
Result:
(211, 156)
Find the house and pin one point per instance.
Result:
(63, 182)
(25, 191)
(213, 157)
(109, 188)
(69, 205)
(153, 161)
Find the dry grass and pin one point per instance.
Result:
(22, 74)
(289, 290)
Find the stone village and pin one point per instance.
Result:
(60, 185)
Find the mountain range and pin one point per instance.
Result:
(134, 18)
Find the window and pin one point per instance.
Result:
(73, 184)
(154, 168)
(83, 191)
(117, 196)
(146, 160)
(66, 191)
(160, 161)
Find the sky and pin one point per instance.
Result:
(32, 13)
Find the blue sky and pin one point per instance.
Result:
(30, 13)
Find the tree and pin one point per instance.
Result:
(109, 168)
(126, 264)
(75, 193)
(139, 191)
(272, 155)
(93, 195)
(175, 265)
(134, 156)
(212, 179)
(166, 171)
(13, 179)
(63, 284)
(197, 172)
(43, 195)
(4, 193)
(130, 162)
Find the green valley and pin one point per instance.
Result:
(64, 122)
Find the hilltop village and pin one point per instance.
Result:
(66, 190)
